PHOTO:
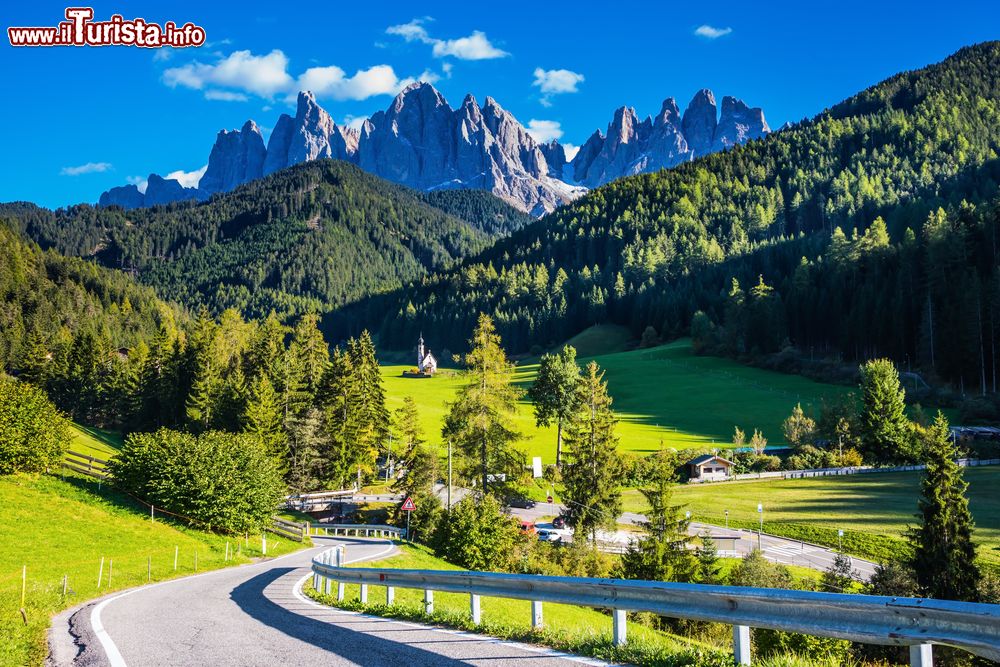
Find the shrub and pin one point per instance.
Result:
(224, 481)
(33, 434)
(477, 535)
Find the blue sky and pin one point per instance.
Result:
(80, 120)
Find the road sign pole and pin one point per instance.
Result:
(408, 527)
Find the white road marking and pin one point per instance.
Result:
(110, 649)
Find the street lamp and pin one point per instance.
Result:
(840, 541)
(760, 513)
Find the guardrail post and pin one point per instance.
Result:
(364, 593)
(428, 601)
(477, 615)
(921, 655)
(741, 644)
(620, 632)
(536, 614)
(390, 595)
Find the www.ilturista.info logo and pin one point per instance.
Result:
(79, 29)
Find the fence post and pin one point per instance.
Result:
(741, 644)
(149, 569)
(921, 655)
(316, 575)
(390, 595)
(477, 615)
(111, 569)
(263, 544)
(428, 601)
(176, 549)
(620, 628)
(100, 572)
(364, 594)
(536, 614)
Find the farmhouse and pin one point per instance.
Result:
(709, 468)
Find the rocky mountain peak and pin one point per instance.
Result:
(738, 124)
(237, 157)
(699, 122)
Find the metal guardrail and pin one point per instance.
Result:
(914, 622)
(358, 530)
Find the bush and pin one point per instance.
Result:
(33, 434)
(477, 535)
(224, 481)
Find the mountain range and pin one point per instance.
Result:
(422, 142)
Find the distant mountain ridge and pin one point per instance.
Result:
(422, 142)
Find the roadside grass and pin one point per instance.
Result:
(65, 527)
(874, 510)
(568, 628)
(663, 395)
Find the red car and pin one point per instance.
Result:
(528, 527)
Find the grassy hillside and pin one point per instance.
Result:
(664, 394)
(874, 510)
(70, 527)
(95, 442)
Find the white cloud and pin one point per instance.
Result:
(261, 75)
(332, 82)
(476, 46)
(571, 151)
(557, 80)
(163, 54)
(189, 179)
(89, 168)
(544, 131)
(231, 78)
(354, 122)
(225, 95)
(139, 182)
(712, 32)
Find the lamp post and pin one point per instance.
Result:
(840, 541)
(760, 513)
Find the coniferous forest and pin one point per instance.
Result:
(885, 204)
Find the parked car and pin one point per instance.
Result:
(558, 522)
(547, 535)
(528, 527)
(521, 503)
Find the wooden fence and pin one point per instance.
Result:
(86, 464)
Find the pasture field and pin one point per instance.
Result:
(662, 395)
(95, 442)
(874, 509)
(64, 528)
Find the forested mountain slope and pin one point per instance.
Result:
(310, 237)
(791, 219)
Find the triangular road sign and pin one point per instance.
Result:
(408, 505)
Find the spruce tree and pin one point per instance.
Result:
(944, 554)
(368, 419)
(312, 352)
(480, 420)
(263, 417)
(661, 554)
(592, 473)
(36, 360)
(409, 432)
(554, 391)
(884, 426)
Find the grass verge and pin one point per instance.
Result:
(63, 528)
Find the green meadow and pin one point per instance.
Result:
(664, 396)
(874, 509)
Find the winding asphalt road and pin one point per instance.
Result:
(257, 615)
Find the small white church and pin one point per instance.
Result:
(426, 363)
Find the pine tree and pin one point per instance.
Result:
(661, 554)
(592, 473)
(368, 419)
(409, 431)
(481, 419)
(312, 352)
(334, 399)
(554, 391)
(709, 567)
(944, 554)
(884, 426)
(264, 417)
(839, 576)
(36, 361)
(305, 442)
